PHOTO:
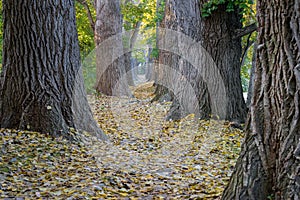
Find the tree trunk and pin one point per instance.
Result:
(161, 91)
(149, 65)
(217, 35)
(111, 74)
(220, 41)
(42, 87)
(131, 37)
(268, 166)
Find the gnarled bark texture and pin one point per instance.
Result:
(219, 39)
(42, 85)
(217, 35)
(111, 74)
(175, 74)
(269, 163)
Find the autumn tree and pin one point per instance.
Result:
(41, 88)
(268, 166)
(219, 30)
(111, 74)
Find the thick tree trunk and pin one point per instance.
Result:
(186, 101)
(111, 74)
(269, 164)
(217, 35)
(42, 87)
(220, 41)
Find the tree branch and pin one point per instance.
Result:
(245, 50)
(245, 31)
(134, 35)
(89, 13)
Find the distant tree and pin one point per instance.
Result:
(269, 163)
(111, 74)
(139, 17)
(132, 24)
(42, 87)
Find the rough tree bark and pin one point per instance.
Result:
(42, 86)
(269, 163)
(172, 68)
(223, 43)
(220, 35)
(111, 74)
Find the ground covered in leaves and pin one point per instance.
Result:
(146, 158)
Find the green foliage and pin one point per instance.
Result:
(212, 5)
(85, 31)
(155, 53)
(248, 18)
(245, 74)
(271, 197)
(132, 14)
(89, 72)
(144, 12)
(139, 55)
(160, 12)
(87, 45)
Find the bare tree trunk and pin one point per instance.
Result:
(42, 87)
(161, 91)
(128, 48)
(221, 42)
(111, 74)
(149, 65)
(268, 166)
(218, 36)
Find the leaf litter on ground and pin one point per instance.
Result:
(146, 158)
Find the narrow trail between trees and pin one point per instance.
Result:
(146, 158)
(150, 158)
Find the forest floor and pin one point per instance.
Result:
(146, 158)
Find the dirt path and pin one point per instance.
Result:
(150, 158)
(146, 158)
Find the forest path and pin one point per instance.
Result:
(146, 158)
(157, 158)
